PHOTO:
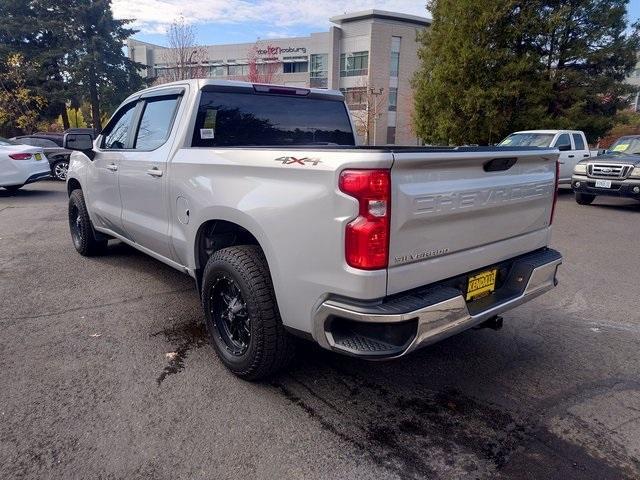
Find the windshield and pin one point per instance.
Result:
(627, 145)
(5, 142)
(527, 140)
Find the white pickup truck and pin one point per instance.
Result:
(260, 193)
(572, 145)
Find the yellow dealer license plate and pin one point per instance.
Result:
(38, 156)
(481, 284)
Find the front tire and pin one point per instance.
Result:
(241, 313)
(59, 169)
(13, 188)
(585, 198)
(87, 242)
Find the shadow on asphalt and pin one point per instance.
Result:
(30, 193)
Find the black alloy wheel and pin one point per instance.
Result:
(229, 314)
(76, 226)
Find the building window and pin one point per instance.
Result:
(218, 71)
(393, 99)
(295, 67)
(395, 56)
(268, 68)
(355, 97)
(354, 64)
(238, 70)
(391, 135)
(319, 70)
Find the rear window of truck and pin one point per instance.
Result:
(232, 119)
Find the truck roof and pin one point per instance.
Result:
(236, 85)
(548, 131)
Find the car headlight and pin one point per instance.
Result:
(580, 169)
(635, 172)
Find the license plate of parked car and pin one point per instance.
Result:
(38, 156)
(481, 284)
(603, 183)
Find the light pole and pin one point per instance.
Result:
(373, 93)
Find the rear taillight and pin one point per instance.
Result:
(367, 237)
(555, 192)
(20, 156)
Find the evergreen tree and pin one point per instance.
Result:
(78, 46)
(103, 73)
(36, 31)
(489, 67)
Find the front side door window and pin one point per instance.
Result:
(116, 134)
(563, 140)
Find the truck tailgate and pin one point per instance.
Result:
(456, 211)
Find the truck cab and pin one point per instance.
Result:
(571, 143)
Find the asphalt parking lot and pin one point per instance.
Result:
(105, 373)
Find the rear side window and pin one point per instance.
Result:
(155, 123)
(230, 119)
(577, 139)
(117, 132)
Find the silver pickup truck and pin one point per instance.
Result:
(260, 193)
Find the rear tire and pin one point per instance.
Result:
(584, 198)
(241, 313)
(59, 169)
(87, 242)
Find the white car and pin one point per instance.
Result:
(571, 143)
(21, 164)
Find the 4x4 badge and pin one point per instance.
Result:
(299, 161)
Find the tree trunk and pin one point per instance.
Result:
(65, 117)
(94, 100)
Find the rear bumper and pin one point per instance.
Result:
(619, 188)
(38, 176)
(397, 325)
(23, 172)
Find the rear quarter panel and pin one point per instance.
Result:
(294, 210)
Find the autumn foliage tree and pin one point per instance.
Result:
(261, 70)
(20, 106)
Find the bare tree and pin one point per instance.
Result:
(183, 59)
(366, 104)
(262, 70)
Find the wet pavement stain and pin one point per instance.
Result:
(432, 433)
(183, 339)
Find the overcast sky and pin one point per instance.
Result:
(235, 21)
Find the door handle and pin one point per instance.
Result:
(585, 155)
(155, 172)
(571, 156)
(113, 167)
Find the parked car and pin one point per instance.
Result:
(616, 173)
(21, 164)
(260, 193)
(571, 143)
(51, 143)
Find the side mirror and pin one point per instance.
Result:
(78, 141)
(564, 147)
(82, 142)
